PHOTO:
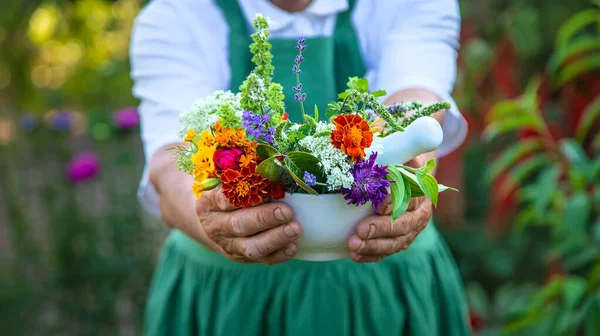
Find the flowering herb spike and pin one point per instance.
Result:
(257, 125)
(425, 111)
(299, 96)
(310, 179)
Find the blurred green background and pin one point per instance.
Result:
(77, 252)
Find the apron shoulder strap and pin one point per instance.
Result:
(239, 42)
(348, 56)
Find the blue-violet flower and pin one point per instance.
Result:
(310, 179)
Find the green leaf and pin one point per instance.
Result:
(522, 171)
(430, 164)
(316, 113)
(591, 113)
(507, 109)
(442, 187)
(511, 155)
(572, 150)
(400, 191)
(264, 151)
(411, 180)
(511, 124)
(294, 171)
(306, 162)
(574, 24)
(546, 186)
(478, 299)
(357, 83)
(379, 93)
(583, 45)
(429, 186)
(270, 169)
(577, 213)
(577, 68)
(573, 290)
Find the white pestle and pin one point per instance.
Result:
(421, 136)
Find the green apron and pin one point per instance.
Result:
(198, 292)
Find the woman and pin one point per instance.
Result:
(228, 271)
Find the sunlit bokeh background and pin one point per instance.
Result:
(77, 253)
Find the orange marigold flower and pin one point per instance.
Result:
(246, 160)
(352, 135)
(245, 188)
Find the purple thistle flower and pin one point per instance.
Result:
(300, 97)
(369, 183)
(256, 125)
(83, 168)
(127, 118)
(310, 179)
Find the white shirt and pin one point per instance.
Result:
(179, 53)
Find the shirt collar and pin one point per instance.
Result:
(279, 19)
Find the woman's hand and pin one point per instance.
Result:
(265, 233)
(378, 236)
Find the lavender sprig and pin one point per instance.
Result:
(299, 96)
(256, 125)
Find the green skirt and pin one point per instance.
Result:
(198, 292)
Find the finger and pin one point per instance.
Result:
(383, 227)
(215, 200)
(246, 222)
(378, 246)
(359, 258)
(386, 207)
(281, 255)
(416, 162)
(262, 244)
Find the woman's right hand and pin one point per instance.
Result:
(261, 234)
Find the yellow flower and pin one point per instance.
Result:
(190, 135)
(206, 139)
(203, 162)
(205, 185)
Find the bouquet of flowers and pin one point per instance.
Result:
(246, 143)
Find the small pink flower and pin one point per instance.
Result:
(83, 168)
(127, 118)
(227, 158)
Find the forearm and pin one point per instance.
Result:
(177, 201)
(424, 97)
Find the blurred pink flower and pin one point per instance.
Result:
(126, 118)
(83, 168)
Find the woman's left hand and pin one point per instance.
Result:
(378, 236)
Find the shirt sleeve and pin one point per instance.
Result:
(174, 61)
(420, 51)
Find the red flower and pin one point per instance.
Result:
(285, 117)
(352, 135)
(245, 188)
(227, 158)
(277, 190)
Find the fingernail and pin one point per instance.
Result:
(356, 244)
(371, 230)
(278, 213)
(358, 257)
(290, 251)
(289, 231)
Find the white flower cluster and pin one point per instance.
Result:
(334, 162)
(324, 126)
(203, 113)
